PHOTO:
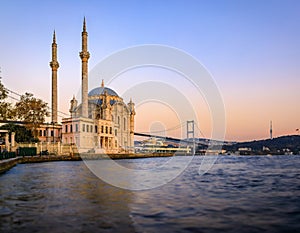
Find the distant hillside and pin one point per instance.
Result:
(278, 145)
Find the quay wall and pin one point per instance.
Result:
(7, 164)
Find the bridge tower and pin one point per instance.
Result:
(190, 133)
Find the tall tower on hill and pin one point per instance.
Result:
(54, 66)
(84, 55)
(271, 131)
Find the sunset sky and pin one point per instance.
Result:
(251, 48)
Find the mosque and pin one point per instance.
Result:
(101, 122)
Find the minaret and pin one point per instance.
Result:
(54, 66)
(84, 55)
(271, 131)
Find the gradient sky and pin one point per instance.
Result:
(251, 48)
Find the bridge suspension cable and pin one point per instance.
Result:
(199, 130)
(166, 130)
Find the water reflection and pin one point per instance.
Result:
(239, 194)
(61, 197)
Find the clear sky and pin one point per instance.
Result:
(251, 48)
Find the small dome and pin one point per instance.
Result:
(100, 90)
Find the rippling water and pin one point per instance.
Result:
(239, 194)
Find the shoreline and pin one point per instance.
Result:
(7, 164)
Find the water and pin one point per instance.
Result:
(239, 194)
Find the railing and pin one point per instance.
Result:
(7, 155)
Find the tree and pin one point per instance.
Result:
(31, 110)
(6, 111)
(22, 134)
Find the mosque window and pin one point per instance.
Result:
(71, 128)
(102, 129)
(66, 128)
(96, 129)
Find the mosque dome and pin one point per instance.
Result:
(101, 90)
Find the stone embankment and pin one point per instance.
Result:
(7, 164)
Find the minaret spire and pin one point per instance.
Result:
(84, 55)
(54, 37)
(54, 67)
(84, 25)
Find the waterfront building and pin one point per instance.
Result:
(49, 132)
(154, 145)
(102, 122)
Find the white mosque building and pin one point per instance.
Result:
(102, 121)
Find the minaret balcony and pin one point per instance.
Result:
(54, 65)
(84, 55)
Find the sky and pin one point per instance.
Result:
(250, 48)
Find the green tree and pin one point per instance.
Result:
(6, 110)
(31, 110)
(22, 134)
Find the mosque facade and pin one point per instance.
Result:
(102, 122)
